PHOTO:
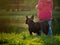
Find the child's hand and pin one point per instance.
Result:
(36, 6)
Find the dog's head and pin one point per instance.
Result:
(29, 20)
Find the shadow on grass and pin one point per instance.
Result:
(4, 41)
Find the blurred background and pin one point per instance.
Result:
(14, 31)
(13, 12)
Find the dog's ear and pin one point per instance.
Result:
(32, 17)
(26, 17)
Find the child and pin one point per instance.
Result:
(44, 8)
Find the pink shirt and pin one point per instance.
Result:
(45, 9)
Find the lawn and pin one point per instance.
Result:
(25, 39)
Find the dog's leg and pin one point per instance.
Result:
(30, 32)
(39, 33)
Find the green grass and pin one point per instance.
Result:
(25, 39)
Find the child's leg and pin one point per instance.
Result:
(50, 29)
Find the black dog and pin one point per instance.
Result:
(36, 26)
